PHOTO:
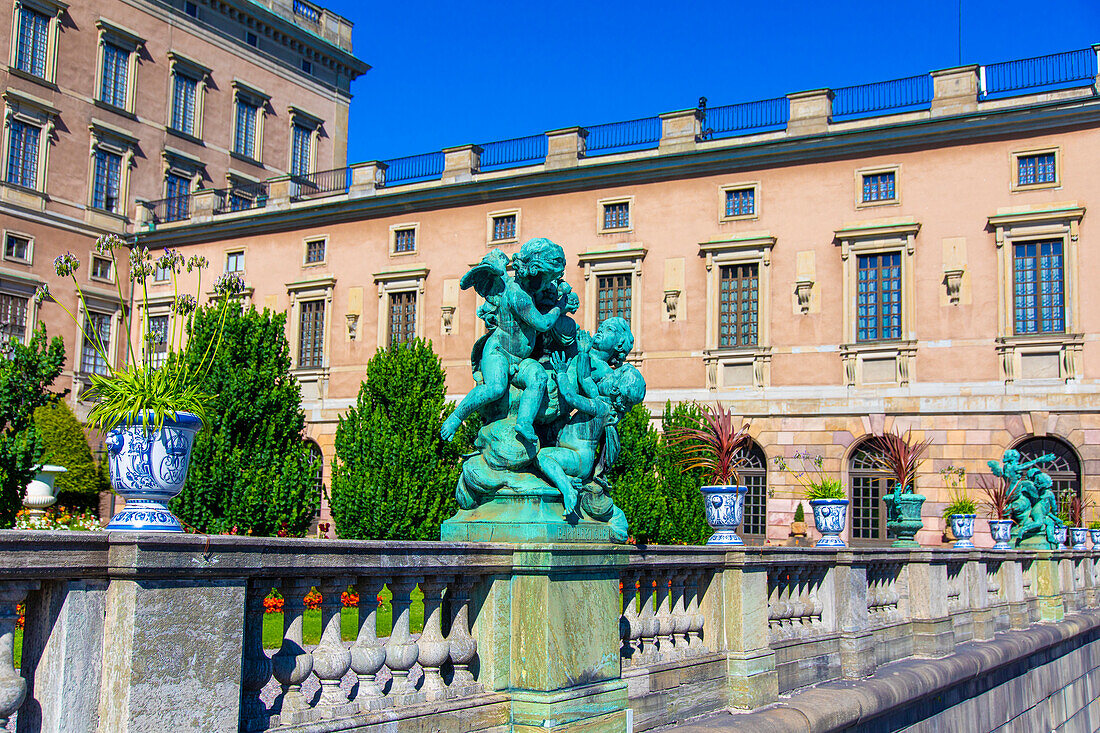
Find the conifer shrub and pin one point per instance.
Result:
(64, 443)
(634, 484)
(686, 518)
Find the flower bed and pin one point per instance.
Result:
(58, 518)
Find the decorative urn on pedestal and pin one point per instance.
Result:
(829, 518)
(1078, 538)
(962, 526)
(725, 508)
(1001, 532)
(901, 456)
(41, 493)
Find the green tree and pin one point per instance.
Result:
(393, 476)
(250, 467)
(64, 443)
(686, 518)
(634, 483)
(26, 373)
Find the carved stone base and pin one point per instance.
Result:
(522, 518)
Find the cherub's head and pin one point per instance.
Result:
(624, 388)
(613, 337)
(1012, 456)
(539, 259)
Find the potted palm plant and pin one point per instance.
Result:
(999, 497)
(824, 493)
(715, 446)
(150, 412)
(901, 456)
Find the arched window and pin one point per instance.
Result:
(754, 474)
(870, 482)
(318, 473)
(1065, 469)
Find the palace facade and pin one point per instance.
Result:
(913, 254)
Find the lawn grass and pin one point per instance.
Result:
(349, 621)
(18, 647)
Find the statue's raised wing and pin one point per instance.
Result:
(487, 276)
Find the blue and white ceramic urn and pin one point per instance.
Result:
(725, 507)
(148, 469)
(962, 526)
(830, 516)
(1095, 534)
(1078, 536)
(1001, 532)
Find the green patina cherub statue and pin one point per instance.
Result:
(1034, 507)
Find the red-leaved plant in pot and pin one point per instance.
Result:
(901, 456)
(999, 497)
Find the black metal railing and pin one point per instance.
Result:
(173, 208)
(912, 92)
(1057, 70)
(241, 197)
(748, 117)
(321, 183)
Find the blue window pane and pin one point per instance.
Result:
(300, 152)
(30, 48)
(116, 64)
(184, 93)
(1038, 287)
(1035, 169)
(106, 180)
(245, 140)
(878, 297)
(741, 202)
(879, 187)
(23, 154)
(178, 194)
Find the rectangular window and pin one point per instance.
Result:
(402, 317)
(161, 275)
(97, 331)
(1039, 287)
(878, 303)
(879, 187)
(302, 138)
(17, 248)
(178, 197)
(404, 240)
(741, 202)
(13, 317)
(158, 340)
(315, 251)
(116, 65)
(504, 227)
(237, 202)
(867, 492)
(1035, 169)
(251, 39)
(311, 334)
(184, 97)
(616, 215)
(234, 262)
(244, 142)
(613, 296)
(101, 268)
(106, 183)
(23, 154)
(738, 316)
(307, 66)
(33, 41)
(191, 9)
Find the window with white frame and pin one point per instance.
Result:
(1033, 169)
(248, 120)
(616, 215)
(612, 286)
(400, 316)
(878, 296)
(311, 334)
(17, 248)
(504, 227)
(301, 150)
(157, 340)
(29, 125)
(234, 261)
(877, 186)
(96, 338)
(102, 268)
(189, 80)
(403, 239)
(33, 42)
(114, 73)
(614, 296)
(107, 180)
(13, 316)
(23, 149)
(315, 251)
(740, 202)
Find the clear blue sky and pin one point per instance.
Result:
(450, 73)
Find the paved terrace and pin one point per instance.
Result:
(138, 633)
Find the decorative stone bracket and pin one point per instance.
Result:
(353, 325)
(952, 280)
(672, 304)
(804, 290)
(886, 364)
(448, 318)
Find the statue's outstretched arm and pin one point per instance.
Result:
(565, 388)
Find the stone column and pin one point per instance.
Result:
(857, 654)
(810, 112)
(565, 147)
(680, 130)
(976, 583)
(1048, 586)
(203, 204)
(735, 611)
(933, 635)
(955, 90)
(366, 178)
(1012, 587)
(278, 192)
(461, 163)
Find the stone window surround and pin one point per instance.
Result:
(92, 257)
(118, 35)
(5, 233)
(301, 118)
(395, 228)
(305, 250)
(877, 237)
(628, 200)
(181, 164)
(404, 280)
(243, 251)
(491, 216)
(159, 305)
(181, 64)
(320, 288)
(624, 260)
(23, 285)
(53, 10)
(105, 136)
(1014, 169)
(35, 112)
(1017, 225)
(722, 191)
(873, 170)
(748, 248)
(249, 94)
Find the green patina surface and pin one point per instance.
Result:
(1034, 505)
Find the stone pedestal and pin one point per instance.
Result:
(1048, 588)
(933, 635)
(528, 517)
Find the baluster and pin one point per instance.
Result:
(629, 622)
(13, 688)
(695, 610)
(256, 666)
(292, 664)
(401, 651)
(331, 661)
(434, 650)
(798, 602)
(664, 616)
(647, 616)
(461, 644)
(783, 608)
(368, 655)
(680, 619)
(773, 602)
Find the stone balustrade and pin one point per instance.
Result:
(127, 633)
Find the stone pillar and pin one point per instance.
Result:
(565, 147)
(366, 178)
(203, 203)
(278, 192)
(461, 163)
(144, 216)
(857, 654)
(932, 632)
(810, 112)
(976, 583)
(1048, 586)
(62, 654)
(955, 90)
(563, 639)
(1012, 586)
(680, 130)
(735, 612)
(1096, 50)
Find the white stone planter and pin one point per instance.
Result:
(41, 492)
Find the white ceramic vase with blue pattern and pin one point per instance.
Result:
(830, 516)
(1095, 533)
(725, 508)
(1060, 537)
(962, 526)
(1078, 537)
(148, 469)
(1001, 532)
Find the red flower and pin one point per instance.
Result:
(349, 598)
(273, 605)
(313, 599)
(21, 609)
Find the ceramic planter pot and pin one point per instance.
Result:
(148, 469)
(1060, 537)
(1078, 537)
(1001, 531)
(725, 507)
(1095, 534)
(829, 518)
(962, 526)
(798, 529)
(40, 491)
(903, 513)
